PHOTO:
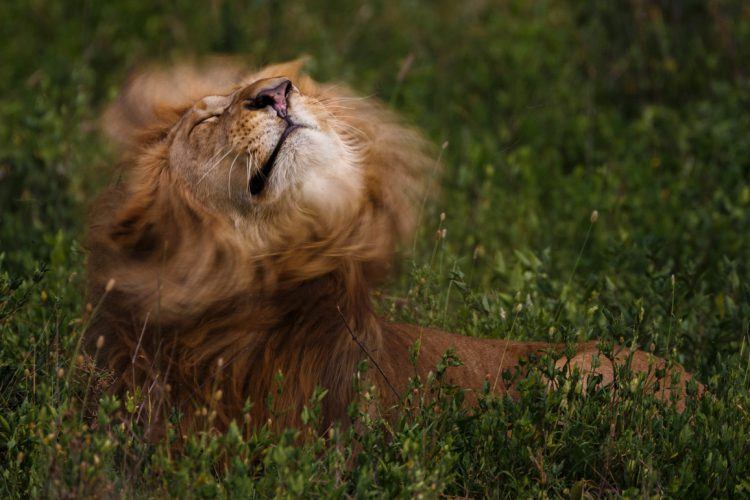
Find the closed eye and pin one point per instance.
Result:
(206, 120)
(209, 119)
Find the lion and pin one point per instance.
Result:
(255, 213)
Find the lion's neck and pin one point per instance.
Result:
(286, 345)
(211, 319)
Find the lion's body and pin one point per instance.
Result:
(485, 361)
(207, 291)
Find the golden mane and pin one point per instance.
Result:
(192, 308)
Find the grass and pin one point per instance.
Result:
(548, 111)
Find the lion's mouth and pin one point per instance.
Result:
(258, 181)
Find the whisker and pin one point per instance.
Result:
(330, 109)
(350, 129)
(216, 155)
(247, 162)
(335, 103)
(333, 86)
(348, 98)
(344, 117)
(229, 177)
(214, 166)
(336, 106)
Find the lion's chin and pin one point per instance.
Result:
(258, 182)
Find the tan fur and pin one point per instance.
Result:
(218, 290)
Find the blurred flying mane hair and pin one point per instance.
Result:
(188, 306)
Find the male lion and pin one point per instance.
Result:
(255, 213)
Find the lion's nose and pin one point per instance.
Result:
(274, 93)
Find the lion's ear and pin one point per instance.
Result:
(152, 94)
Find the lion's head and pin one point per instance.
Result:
(266, 149)
(249, 203)
(271, 163)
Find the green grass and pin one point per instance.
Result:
(549, 110)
